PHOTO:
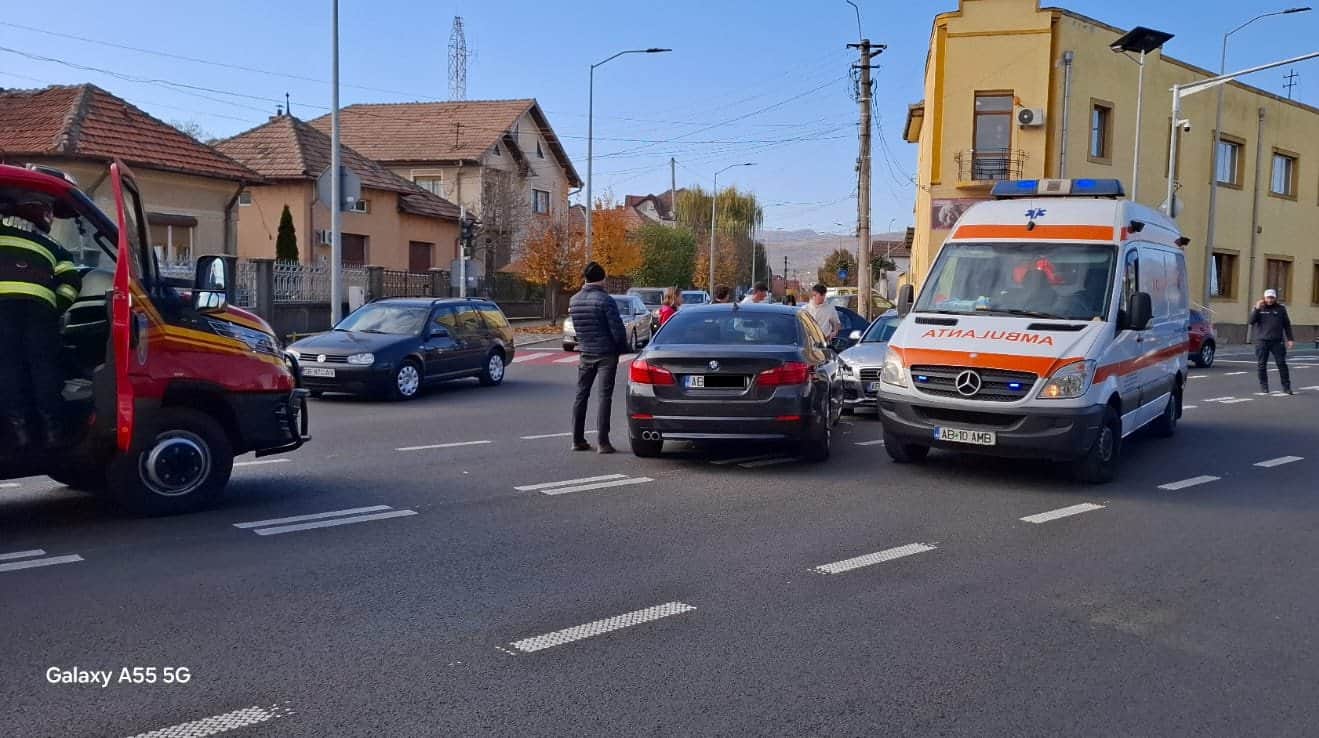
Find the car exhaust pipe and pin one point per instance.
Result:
(651, 436)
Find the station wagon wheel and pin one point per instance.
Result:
(493, 372)
(1206, 358)
(407, 381)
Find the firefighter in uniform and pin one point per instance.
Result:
(38, 282)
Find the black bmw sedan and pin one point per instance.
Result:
(396, 346)
(735, 372)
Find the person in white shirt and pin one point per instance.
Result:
(823, 313)
(758, 294)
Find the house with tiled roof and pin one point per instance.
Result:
(190, 190)
(653, 208)
(395, 224)
(500, 159)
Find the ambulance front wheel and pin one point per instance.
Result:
(181, 463)
(904, 453)
(1099, 465)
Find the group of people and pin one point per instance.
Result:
(601, 339)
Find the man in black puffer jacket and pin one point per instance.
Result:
(601, 338)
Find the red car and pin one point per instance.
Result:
(1202, 341)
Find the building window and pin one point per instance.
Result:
(1225, 276)
(420, 255)
(245, 197)
(432, 183)
(1101, 132)
(1278, 276)
(1283, 181)
(991, 139)
(1314, 285)
(1230, 164)
(540, 153)
(360, 206)
(540, 201)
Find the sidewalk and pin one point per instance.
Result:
(535, 330)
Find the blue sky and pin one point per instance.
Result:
(748, 80)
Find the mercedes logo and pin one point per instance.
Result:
(967, 383)
(320, 359)
(714, 366)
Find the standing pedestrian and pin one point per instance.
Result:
(758, 294)
(601, 338)
(790, 300)
(1273, 336)
(723, 294)
(672, 301)
(823, 313)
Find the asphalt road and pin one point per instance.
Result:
(493, 583)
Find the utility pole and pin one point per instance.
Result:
(336, 179)
(673, 188)
(865, 280)
(1290, 84)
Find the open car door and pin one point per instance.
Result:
(128, 340)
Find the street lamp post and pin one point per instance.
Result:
(1191, 88)
(1213, 157)
(590, 134)
(1142, 40)
(714, 202)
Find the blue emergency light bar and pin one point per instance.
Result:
(1010, 189)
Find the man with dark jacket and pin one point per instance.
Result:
(601, 337)
(1273, 336)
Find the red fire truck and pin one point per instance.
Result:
(164, 384)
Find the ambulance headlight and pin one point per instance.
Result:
(894, 372)
(362, 359)
(1069, 382)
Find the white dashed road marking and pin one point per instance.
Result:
(856, 562)
(1235, 400)
(552, 435)
(19, 560)
(1189, 407)
(870, 443)
(262, 462)
(1281, 460)
(523, 357)
(769, 462)
(1197, 376)
(218, 724)
(1062, 512)
(584, 484)
(1234, 374)
(1219, 399)
(324, 520)
(459, 444)
(1192, 482)
(600, 627)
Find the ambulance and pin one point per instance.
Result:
(1052, 325)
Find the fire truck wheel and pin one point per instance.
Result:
(182, 463)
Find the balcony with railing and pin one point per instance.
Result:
(982, 168)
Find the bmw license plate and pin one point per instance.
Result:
(872, 388)
(313, 371)
(960, 435)
(694, 381)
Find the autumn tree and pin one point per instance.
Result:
(612, 245)
(552, 256)
(725, 265)
(738, 217)
(843, 260)
(668, 256)
(286, 238)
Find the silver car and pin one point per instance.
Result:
(636, 322)
(861, 364)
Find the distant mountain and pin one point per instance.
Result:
(807, 249)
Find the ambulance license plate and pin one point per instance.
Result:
(960, 435)
(312, 371)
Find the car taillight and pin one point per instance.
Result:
(643, 373)
(792, 372)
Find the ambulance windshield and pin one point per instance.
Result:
(1061, 281)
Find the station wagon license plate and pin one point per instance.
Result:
(694, 381)
(960, 435)
(313, 371)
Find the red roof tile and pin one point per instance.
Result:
(440, 131)
(286, 148)
(85, 121)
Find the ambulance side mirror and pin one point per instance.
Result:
(1141, 312)
(906, 296)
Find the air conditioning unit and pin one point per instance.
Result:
(1030, 117)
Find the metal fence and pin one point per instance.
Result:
(246, 289)
(406, 284)
(296, 282)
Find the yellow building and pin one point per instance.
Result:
(991, 60)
